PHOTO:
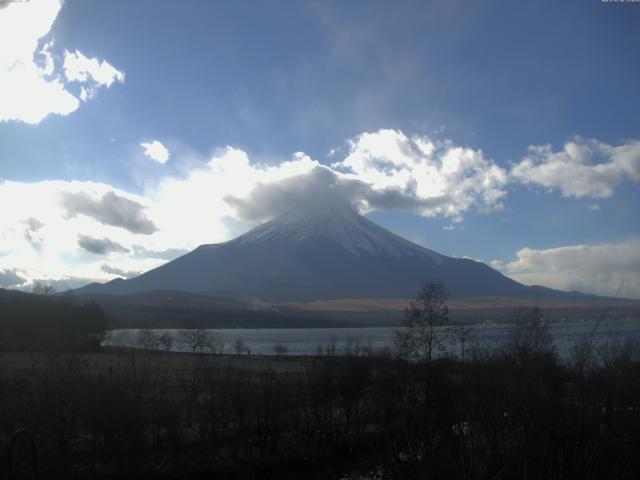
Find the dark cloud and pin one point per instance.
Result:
(109, 210)
(267, 200)
(116, 271)
(396, 199)
(324, 186)
(99, 246)
(34, 240)
(30, 232)
(9, 278)
(33, 224)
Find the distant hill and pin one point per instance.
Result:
(175, 309)
(321, 253)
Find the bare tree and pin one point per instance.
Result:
(417, 340)
(461, 334)
(214, 342)
(530, 335)
(239, 346)
(43, 289)
(166, 340)
(200, 340)
(279, 350)
(417, 337)
(148, 339)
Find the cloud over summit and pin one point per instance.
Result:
(385, 170)
(439, 177)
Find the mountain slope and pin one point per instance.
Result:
(317, 253)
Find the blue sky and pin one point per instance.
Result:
(530, 111)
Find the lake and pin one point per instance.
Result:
(308, 341)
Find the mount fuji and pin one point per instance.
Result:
(320, 253)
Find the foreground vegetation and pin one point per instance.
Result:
(512, 412)
(161, 415)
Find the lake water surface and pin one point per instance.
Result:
(308, 341)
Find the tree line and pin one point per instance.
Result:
(44, 322)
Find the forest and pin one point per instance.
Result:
(30, 323)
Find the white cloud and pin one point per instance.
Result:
(383, 170)
(31, 90)
(41, 241)
(435, 177)
(196, 208)
(79, 68)
(73, 219)
(28, 94)
(91, 71)
(601, 269)
(156, 151)
(582, 169)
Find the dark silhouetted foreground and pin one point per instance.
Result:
(32, 323)
(515, 412)
(508, 414)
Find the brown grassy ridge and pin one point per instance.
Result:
(399, 304)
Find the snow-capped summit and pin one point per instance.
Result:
(319, 252)
(340, 225)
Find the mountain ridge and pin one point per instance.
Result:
(319, 253)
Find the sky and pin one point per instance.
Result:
(132, 132)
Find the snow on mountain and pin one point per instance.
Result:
(344, 226)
